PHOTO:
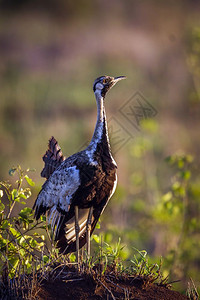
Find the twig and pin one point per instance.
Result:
(23, 233)
(106, 288)
(75, 279)
(59, 273)
(115, 284)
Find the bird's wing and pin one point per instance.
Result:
(56, 194)
(52, 158)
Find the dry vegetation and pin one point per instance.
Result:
(65, 282)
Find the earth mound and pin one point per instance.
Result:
(111, 285)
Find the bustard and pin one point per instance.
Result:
(79, 187)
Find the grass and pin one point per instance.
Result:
(105, 268)
(106, 276)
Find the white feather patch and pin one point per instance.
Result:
(70, 225)
(59, 188)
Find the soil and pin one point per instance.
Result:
(109, 286)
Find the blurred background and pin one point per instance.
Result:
(50, 54)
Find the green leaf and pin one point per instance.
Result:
(43, 218)
(25, 213)
(5, 224)
(13, 231)
(22, 252)
(45, 258)
(98, 226)
(72, 257)
(185, 174)
(14, 194)
(167, 197)
(29, 180)
(21, 195)
(14, 262)
(34, 243)
(3, 242)
(189, 158)
(181, 163)
(176, 186)
(96, 238)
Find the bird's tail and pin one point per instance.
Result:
(66, 239)
(52, 158)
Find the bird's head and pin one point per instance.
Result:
(104, 83)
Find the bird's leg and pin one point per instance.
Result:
(77, 229)
(88, 230)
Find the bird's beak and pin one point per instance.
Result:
(111, 83)
(115, 80)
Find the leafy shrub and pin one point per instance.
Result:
(19, 243)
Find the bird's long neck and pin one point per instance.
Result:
(101, 131)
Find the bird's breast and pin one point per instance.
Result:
(97, 183)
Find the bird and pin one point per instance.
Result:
(78, 188)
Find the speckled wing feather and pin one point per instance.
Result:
(52, 158)
(56, 194)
